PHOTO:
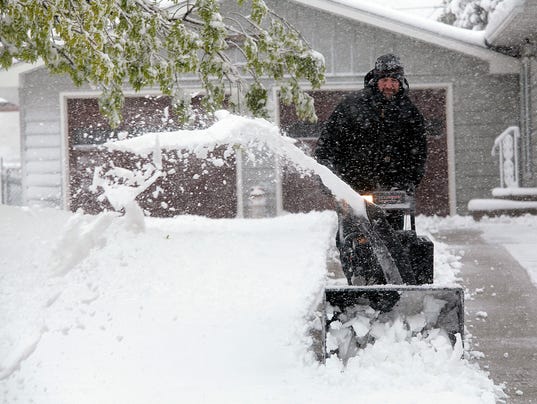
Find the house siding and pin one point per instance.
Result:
(41, 137)
(483, 104)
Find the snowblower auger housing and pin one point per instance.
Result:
(352, 313)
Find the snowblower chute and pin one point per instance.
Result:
(389, 271)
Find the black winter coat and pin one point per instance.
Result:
(375, 143)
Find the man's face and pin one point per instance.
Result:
(388, 86)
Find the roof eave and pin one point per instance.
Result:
(498, 63)
(499, 27)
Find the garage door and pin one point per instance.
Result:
(182, 191)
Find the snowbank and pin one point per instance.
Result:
(113, 315)
(191, 310)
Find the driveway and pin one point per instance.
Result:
(501, 312)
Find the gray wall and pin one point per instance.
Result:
(532, 180)
(483, 104)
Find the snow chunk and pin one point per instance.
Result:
(481, 314)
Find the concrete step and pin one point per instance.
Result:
(505, 201)
(479, 208)
(515, 194)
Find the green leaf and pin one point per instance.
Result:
(116, 44)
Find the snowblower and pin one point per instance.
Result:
(389, 271)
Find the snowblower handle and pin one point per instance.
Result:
(394, 201)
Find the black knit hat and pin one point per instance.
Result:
(389, 65)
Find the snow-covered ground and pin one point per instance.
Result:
(126, 309)
(193, 310)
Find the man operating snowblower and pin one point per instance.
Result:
(375, 141)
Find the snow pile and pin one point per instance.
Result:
(191, 310)
(433, 224)
(113, 315)
(447, 263)
(412, 315)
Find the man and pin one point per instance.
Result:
(375, 140)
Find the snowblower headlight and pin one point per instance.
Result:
(368, 198)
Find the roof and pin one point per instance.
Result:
(461, 40)
(512, 24)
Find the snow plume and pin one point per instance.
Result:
(121, 186)
(253, 137)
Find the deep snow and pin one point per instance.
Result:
(122, 309)
(192, 310)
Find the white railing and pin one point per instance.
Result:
(507, 144)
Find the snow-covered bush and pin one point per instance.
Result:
(469, 14)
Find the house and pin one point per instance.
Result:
(512, 31)
(470, 86)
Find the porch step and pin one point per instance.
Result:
(515, 194)
(505, 201)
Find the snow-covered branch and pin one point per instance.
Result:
(142, 43)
